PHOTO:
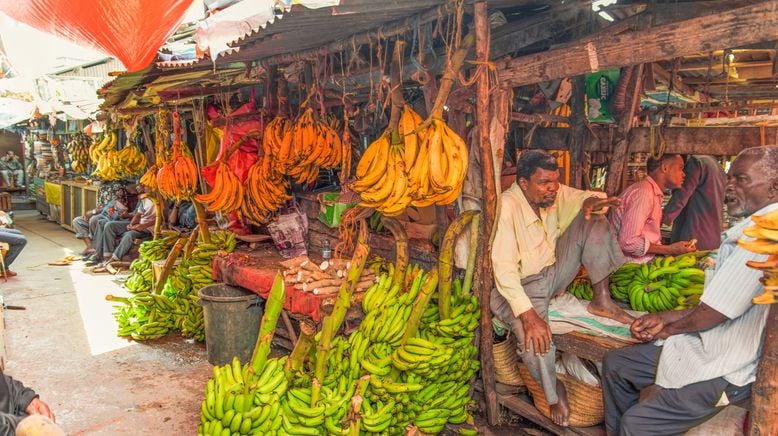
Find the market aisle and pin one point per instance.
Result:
(65, 347)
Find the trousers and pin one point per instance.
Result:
(114, 229)
(627, 371)
(18, 177)
(16, 241)
(591, 243)
(88, 229)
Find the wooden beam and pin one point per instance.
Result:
(678, 84)
(484, 278)
(618, 162)
(732, 28)
(520, 34)
(732, 107)
(577, 135)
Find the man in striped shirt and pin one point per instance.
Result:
(703, 358)
(638, 219)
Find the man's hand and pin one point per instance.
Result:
(38, 407)
(536, 332)
(647, 327)
(131, 226)
(682, 247)
(598, 205)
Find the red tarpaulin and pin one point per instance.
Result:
(131, 31)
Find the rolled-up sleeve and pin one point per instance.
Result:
(506, 261)
(637, 211)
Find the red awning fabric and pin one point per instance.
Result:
(131, 31)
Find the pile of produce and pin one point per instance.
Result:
(765, 234)
(581, 288)
(140, 279)
(226, 194)
(78, 152)
(177, 178)
(102, 146)
(149, 179)
(174, 303)
(408, 366)
(420, 164)
(266, 185)
(667, 283)
(324, 278)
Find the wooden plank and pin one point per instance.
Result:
(764, 414)
(589, 347)
(483, 273)
(731, 28)
(528, 411)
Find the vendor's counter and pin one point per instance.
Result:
(256, 270)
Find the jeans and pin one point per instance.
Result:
(16, 240)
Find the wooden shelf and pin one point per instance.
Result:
(77, 198)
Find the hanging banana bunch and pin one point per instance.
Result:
(177, 178)
(266, 189)
(149, 179)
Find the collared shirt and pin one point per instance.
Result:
(732, 348)
(637, 221)
(525, 243)
(147, 210)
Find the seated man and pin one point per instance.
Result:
(545, 232)
(706, 357)
(10, 166)
(88, 226)
(17, 403)
(638, 219)
(139, 227)
(183, 215)
(16, 242)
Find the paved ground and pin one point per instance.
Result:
(65, 347)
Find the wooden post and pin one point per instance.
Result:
(483, 273)
(764, 395)
(621, 151)
(577, 131)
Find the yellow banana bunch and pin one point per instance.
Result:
(227, 192)
(149, 179)
(277, 142)
(78, 152)
(765, 234)
(98, 149)
(266, 190)
(131, 161)
(177, 178)
(426, 166)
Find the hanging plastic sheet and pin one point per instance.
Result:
(130, 31)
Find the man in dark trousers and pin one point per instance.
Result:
(700, 359)
(18, 402)
(696, 208)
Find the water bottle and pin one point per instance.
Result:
(326, 250)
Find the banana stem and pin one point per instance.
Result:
(401, 250)
(420, 305)
(395, 83)
(273, 307)
(169, 262)
(445, 262)
(300, 351)
(158, 217)
(450, 76)
(467, 285)
(332, 323)
(110, 297)
(191, 243)
(205, 234)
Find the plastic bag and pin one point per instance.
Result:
(600, 87)
(289, 233)
(130, 31)
(570, 364)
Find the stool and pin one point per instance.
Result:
(5, 201)
(4, 247)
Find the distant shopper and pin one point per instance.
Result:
(638, 219)
(17, 403)
(10, 166)
(696, 208)
(15, 240)
(89, 226)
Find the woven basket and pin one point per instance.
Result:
(506, 362)
(586, 406)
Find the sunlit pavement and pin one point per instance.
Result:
(64, 346)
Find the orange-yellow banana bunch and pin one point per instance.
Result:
(308, 146)
(149, 178)
(227, 192)
(265, 192)
(423, 167)
(177, 178)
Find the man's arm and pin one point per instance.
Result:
(681, 196)
(701, 318)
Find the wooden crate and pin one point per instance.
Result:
(5, 201)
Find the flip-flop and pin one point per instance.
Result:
(60, 263)
(99, 270)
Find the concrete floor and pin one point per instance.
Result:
(64, 346)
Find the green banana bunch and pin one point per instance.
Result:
(581, 288)
(141, 277)
(666, 283)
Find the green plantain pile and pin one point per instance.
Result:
(150, 315)
(407, 367)
(141, 277)
(667, 283)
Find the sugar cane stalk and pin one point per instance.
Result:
(205, 235)
(467, 285)
(401, 240)
(168, 266)
(332, 323)
(445, 262)
(273, 307)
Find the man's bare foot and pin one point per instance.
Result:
(9, 273)
(560, 412)
(607, 308)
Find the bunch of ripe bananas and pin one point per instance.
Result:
(78, 152)
(177, 178)
(115, 165)
(226, 195)
(667, 283)
(103, 146)
(418, 166)
(765, 234)
(266, 187)
(308, 146)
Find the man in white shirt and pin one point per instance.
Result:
(140, 226)
(706, 357)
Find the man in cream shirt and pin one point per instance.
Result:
(545, 232)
